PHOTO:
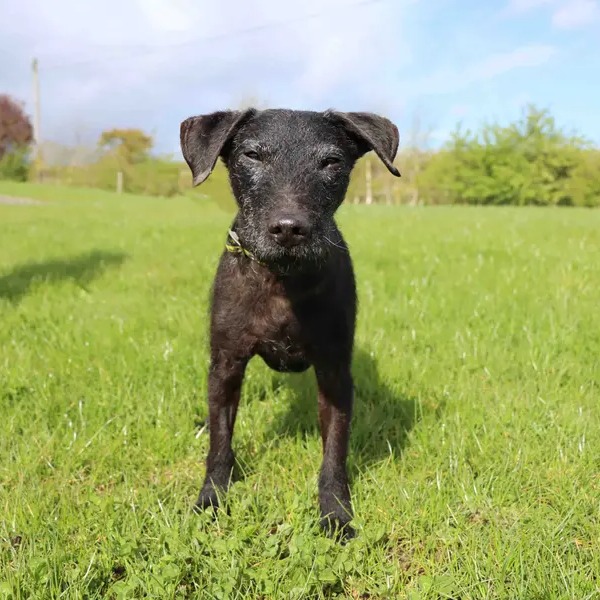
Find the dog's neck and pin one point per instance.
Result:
(294, 284)
(234, 246)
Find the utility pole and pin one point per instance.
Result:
(36, 110)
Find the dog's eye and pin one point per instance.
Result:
(330, 161)
(252, 155)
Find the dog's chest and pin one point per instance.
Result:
(280, 337)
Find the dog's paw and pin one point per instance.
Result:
(336, 516)
(336, 508)
(207, 499)
(338, 527)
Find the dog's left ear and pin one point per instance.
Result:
(204, 137)
(372, 132)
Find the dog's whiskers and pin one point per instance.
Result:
(336, 245)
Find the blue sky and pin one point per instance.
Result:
(152, 63)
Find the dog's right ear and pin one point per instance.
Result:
(203, 138)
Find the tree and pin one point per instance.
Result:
(16, 135)
(527, 162)
(412, 161)
(584, 186)
(370, 181)
(251, 101)
(16, 131)
(130, 146)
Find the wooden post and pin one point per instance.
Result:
(37, 136)
(368, 183)
(119, 182)
(388, 191)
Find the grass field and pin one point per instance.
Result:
(475, 453)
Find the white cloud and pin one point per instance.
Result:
(565, 14)
(523, 6)
(576, 13)
(114, 63)
(451, 80)
(459, 110)
(172, 16)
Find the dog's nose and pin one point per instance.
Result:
(289, 231)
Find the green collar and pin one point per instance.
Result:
(234, 246)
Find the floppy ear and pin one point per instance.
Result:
(203, 138)
(372, 132)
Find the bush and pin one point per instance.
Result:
(584, 185)
(528, 162)
(14, 165)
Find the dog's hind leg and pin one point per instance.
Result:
(224, 386)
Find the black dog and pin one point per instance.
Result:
(285, 286)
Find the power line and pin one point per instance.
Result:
(212, 38)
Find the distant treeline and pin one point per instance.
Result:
(528, 162)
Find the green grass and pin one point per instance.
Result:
(475, 453)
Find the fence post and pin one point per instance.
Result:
(119, 182)
(368, 183)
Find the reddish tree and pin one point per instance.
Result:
(16, 130)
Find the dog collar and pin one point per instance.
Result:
(234, 246)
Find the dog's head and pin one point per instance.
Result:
(289, 171)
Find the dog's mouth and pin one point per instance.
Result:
(290, 259)
(283, 259)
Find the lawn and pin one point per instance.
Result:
(475, 452)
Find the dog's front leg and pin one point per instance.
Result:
(335, 412)
(224, 386)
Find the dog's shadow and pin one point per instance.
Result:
(81, 269)
(382, 416)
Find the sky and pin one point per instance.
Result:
(425, 64)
